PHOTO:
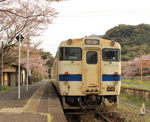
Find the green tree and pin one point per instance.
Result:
(49, 56)
(134, 39)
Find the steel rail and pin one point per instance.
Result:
(106, 119)
(78, 118)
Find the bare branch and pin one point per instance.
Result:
(2, 0)
(28, 18)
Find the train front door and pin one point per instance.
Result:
(91, 70)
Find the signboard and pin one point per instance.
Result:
(145, 62)
(21, 37)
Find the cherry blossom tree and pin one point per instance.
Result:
(133, 67)
(28, 17)
(36, 63)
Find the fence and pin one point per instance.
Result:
(136, 82)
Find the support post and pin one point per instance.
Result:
(141, 70)
(1, 67)
(19, 38)
(19, 70)
(27, 66)
(27, 69)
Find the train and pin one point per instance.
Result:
(86, 71)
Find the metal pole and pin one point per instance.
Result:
(148, 82)
(35, 78)
(42, 76)
(27, 69)
(19, 70)
(141, 70)
(1, 67)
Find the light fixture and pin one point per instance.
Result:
(112, 43)
(70, 41)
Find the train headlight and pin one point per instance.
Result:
(87, 90)
(112, 88)
(108, 88)
(70, 41)
(112, 43)
(72, 99)
(96, 90)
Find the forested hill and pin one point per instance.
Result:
(134, 40)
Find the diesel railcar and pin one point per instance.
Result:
(86, 71)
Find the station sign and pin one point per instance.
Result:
(145, 62)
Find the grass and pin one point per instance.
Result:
(130, 113)
(135, 83)
(5, 88)
(139, 101)
(126, 85)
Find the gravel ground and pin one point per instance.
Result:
(123, 113)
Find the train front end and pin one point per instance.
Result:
(89, 70)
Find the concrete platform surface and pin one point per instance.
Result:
(39, 104)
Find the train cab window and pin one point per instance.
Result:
(70, 53)
(91, 57)
(111, 54)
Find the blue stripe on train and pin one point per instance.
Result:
(71, 77)
(78, 77)
(111, 77)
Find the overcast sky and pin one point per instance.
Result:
(79, 18)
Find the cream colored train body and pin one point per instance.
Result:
(86, 71)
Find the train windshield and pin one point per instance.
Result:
(70, 53)
(111, 54)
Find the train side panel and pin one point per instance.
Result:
(72, 85)
(54, 73)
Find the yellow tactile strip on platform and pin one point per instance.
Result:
(11, 110)
(31, 104)
(34, 101)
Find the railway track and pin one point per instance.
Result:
(133, 106)
(77, 118)
(102, 117)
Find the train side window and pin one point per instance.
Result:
(91, 57)
(111, 54)
(61, 54)
(70, 53)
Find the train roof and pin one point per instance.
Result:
(80, 42)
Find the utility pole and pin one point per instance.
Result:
(27, 65)
(19, 38)
(141, 70)
(19, 70)
(1, 67)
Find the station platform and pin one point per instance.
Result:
(39, 104)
